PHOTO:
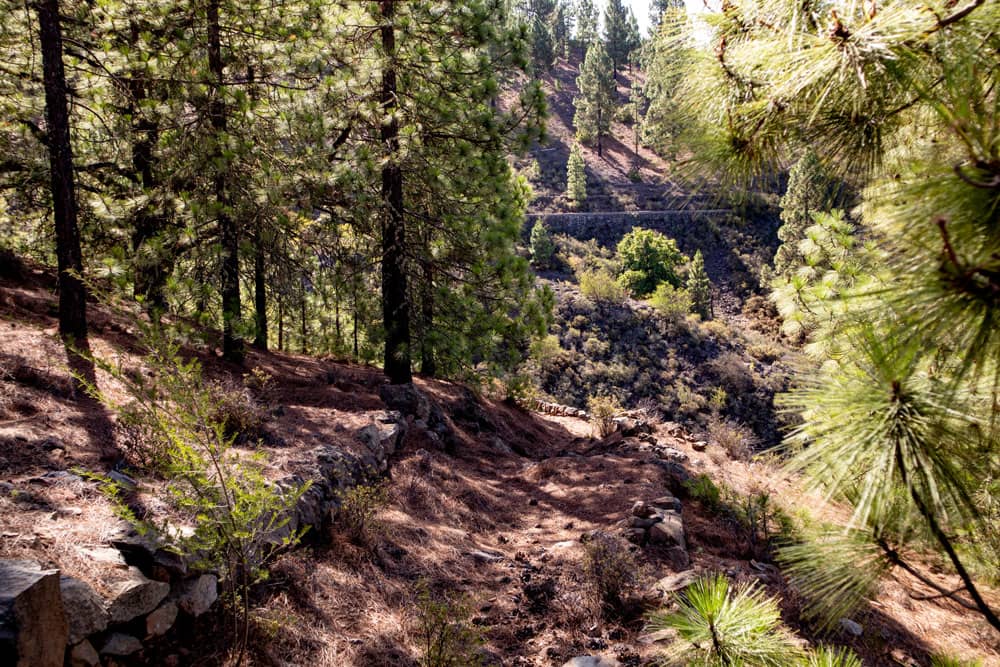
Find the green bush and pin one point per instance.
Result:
(672, 303)
(601, 287)
(703, 489)
(648, 259)
(603, 410)
(446, 637)
(576, 177)
(359, 510)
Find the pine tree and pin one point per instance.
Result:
(616, 34)
(595, 104)
(900, 101)
(586, 23)
(633, 38)
(699, 287)
(576, 178)
(807, 194)
(72, 294)
(542, 247)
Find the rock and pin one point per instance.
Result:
(197, 596)
(667, 636)
(638, 522)
(136, 596)
(667, 503)
(85, 610)
(33, 626)
(84, 655)
(592, 661)
(676, 582)
(382, 437)
(669, 532)
(161, 620)
(851, 628)
(499, 446)
(406, 398)
(699, 445)
(120, 644)
(636, 535)
(107, 556)
(486, 556)
(641, 509)
(671, 454)
(126, 483)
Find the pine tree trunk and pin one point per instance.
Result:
(259, 290)
(395, 305)
(72, 293)
(150, 274)
(232, 344)
(304, 325)
(281, 323)
(428, 364)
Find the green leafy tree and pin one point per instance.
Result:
(542, 247)
(807, 194)
(648, 258)
(576, 177)
(900, 100)
(595, 104)
(699, 287)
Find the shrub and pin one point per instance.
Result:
(724, 625)
(736, 439)
(672, 303)
(732, 373)
(240, 518)
(602, 411)
(652, 256)
(826, 656)
(359, 510)
(611, 570)
(703, 489)
(238, 411)
(601, 287)
(445, 635)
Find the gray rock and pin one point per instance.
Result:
(135, 597)
(699, 445)
(671, 454)
(676, 582)
(639, 522)
(486, 556)
(105, 556)
(197, 596)
(85, 610)
(406, 398)
(667, 503)
(125, 482)
(84, 655)
(851, 628)
(161, 619)
(669, 532)
(381, 438)
(33, 627)
(592, 661)
(641, 509)
(120, 644)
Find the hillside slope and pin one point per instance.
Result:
(500, 513)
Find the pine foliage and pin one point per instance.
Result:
(595, 104)
(699, 287)
(576, 177)
(900, 99)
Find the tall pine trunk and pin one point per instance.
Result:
(150, 273)
(72, 293)
(232, 343)
(395, 305)
(259, 290)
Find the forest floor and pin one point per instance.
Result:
(498, 519)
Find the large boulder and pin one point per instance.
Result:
(33, 626)
(161, 620)
(119, 644)
(85, 610)
(136, 596)
(84, 655)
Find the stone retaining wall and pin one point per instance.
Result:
(48, 619)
